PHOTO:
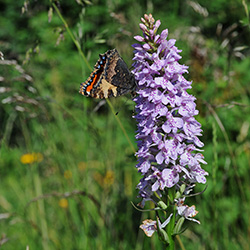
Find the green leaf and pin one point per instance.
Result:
(178, 226)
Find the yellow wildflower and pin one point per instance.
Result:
(67, 174)
(106, 180)
(82, 165)
(31, 158)
(109, 178)
(63, 203)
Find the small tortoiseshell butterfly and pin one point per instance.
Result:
(110, 77)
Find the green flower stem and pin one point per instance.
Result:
(180, 242)
(71, 35)
(121, 126)
(170, 228)
(171, 224)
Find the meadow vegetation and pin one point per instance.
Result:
(67, 175)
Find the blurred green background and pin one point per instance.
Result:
(67, 175)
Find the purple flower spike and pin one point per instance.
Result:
(168, 154)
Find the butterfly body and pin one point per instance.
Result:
(110, 77)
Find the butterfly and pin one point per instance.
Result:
(110, 77)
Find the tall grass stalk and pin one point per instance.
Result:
(88, 65)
